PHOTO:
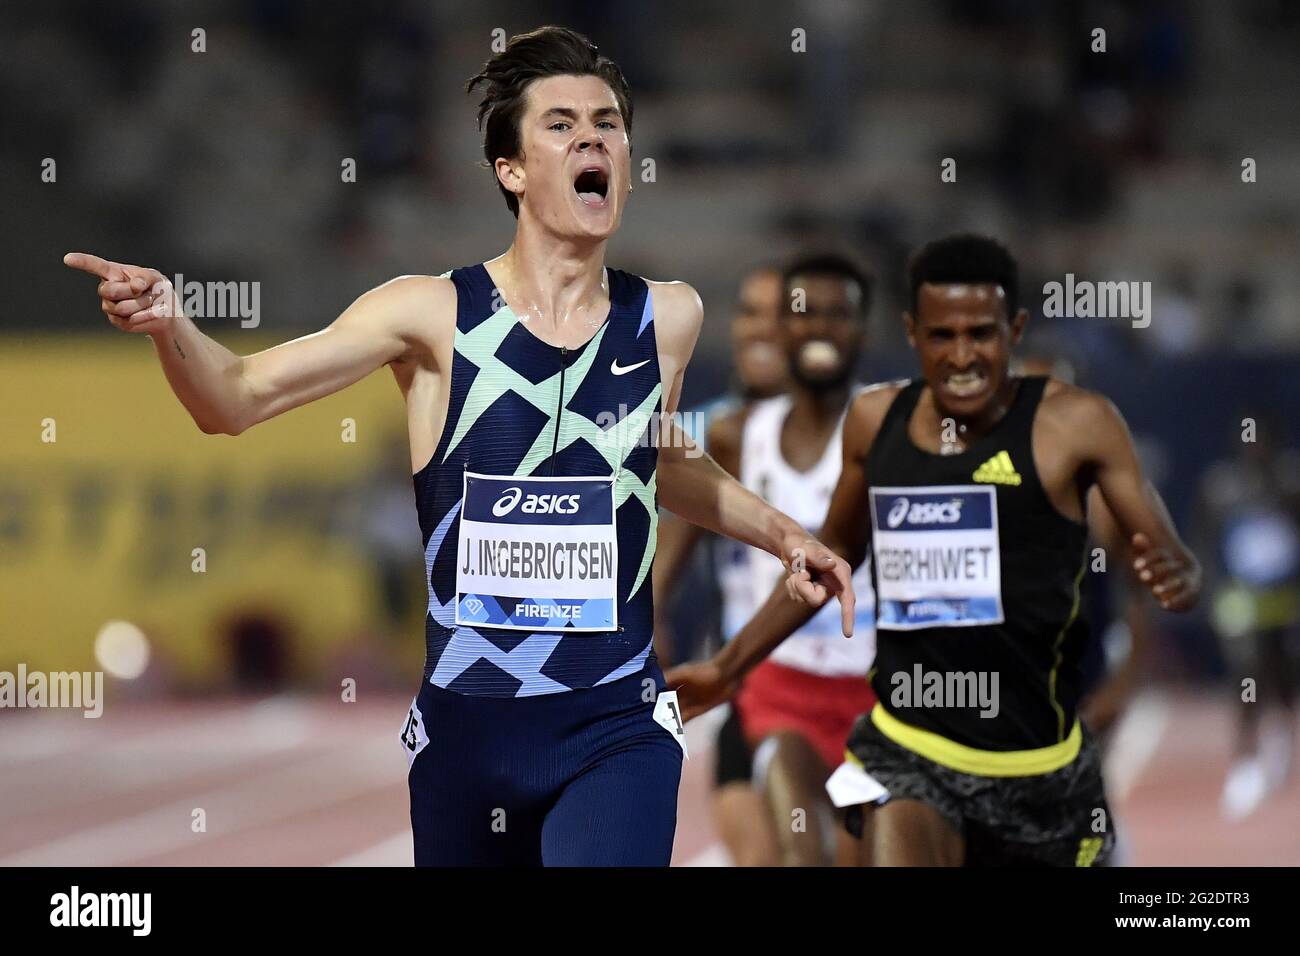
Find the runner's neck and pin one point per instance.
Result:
(551, 278)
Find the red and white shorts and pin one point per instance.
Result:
(820, 709)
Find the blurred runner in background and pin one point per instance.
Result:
(1249, 519)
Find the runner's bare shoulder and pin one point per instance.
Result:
(421, 309)
(868, 408)
(1067, 410)
(678, 311)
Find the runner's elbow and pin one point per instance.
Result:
(220, 425)
(214, 428)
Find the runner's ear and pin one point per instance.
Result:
(1018, 325)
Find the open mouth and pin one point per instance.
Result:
(591, 186)
(966, 384)
(818, 355)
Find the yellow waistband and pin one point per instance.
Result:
(984, 763)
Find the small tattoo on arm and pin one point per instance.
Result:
(176, 342)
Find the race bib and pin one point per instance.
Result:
(414, 736)
(668, 715)
(537, 554)
(937, 558)
(850, 786)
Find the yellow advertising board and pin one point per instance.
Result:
(114, 506)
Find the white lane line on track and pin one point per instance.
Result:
(238, 729)
(1137, 738)
(134, 761)
(307, 784)
(397, 850)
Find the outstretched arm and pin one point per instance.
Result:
(694, 486)
(227, 393)
(1161, 561)
(704, 686)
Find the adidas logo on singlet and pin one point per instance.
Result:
(998, 470)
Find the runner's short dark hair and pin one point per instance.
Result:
(964, 258)
(546, 51)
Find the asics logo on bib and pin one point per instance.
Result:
(924, 512)
(536, 504)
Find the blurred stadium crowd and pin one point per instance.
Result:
(1125, 164)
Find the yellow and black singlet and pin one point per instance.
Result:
(980, 629)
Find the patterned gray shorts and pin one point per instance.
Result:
(1051, 819)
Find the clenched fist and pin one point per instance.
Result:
(700, 687)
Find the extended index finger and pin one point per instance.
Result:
(96, 266)
(848, 600)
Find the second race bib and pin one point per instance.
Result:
(937, 558)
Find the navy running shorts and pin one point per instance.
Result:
(582, 778)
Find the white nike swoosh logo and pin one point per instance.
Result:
(617, 370)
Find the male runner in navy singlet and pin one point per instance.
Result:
(543, 732)
(968, 485)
